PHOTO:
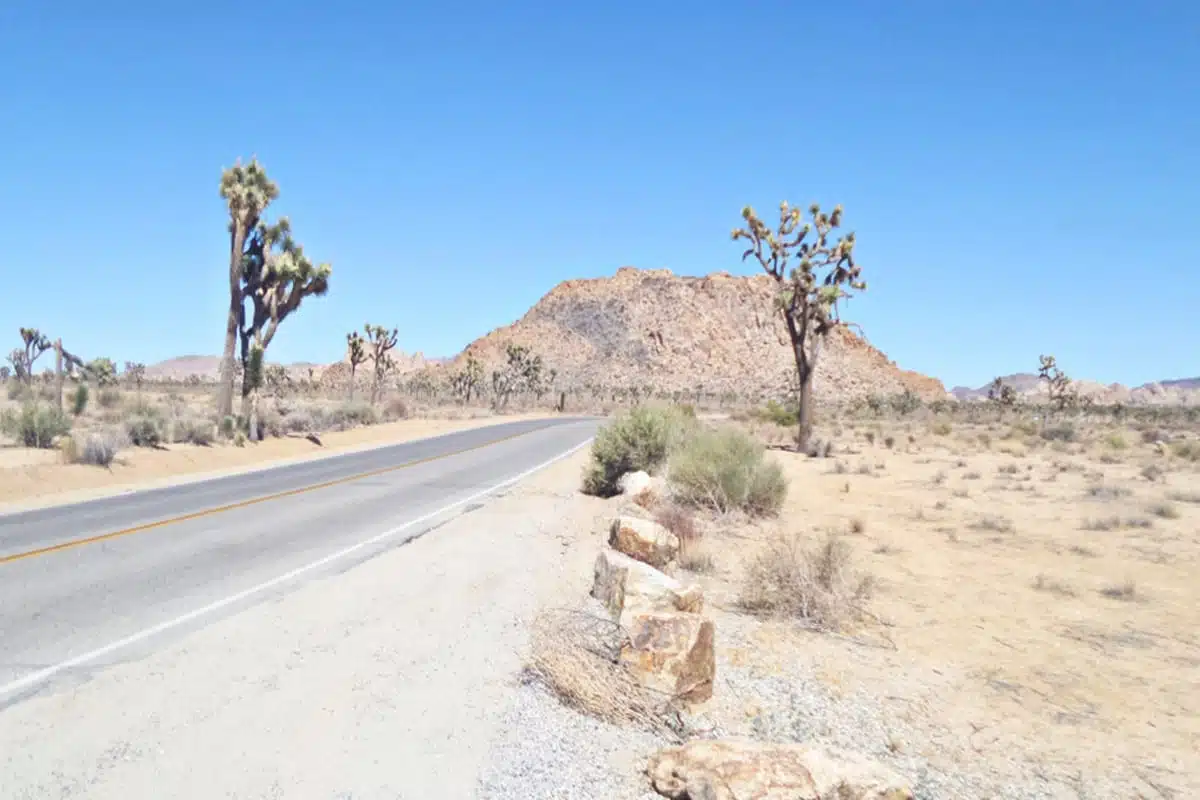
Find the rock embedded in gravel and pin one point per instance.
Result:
(741, 769)
(671, 652)
(645, 540)
(626, 586)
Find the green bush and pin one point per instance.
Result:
(640, 439)
(1064, 432)
(144, 430)
(16, 390)
(99, 449)
(108, 398)
(727, 470)
(79, 399)
(35, 425)
(785, 416)
(351, 415)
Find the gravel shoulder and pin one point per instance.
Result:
(393, 678)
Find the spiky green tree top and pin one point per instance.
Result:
(1062, 390)
(135, 372)
(101, 370)
(1001, 393)
(276, 277)
(247, 192)
(356, 349)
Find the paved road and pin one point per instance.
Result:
(94, 583)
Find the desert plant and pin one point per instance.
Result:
(34, 344)
(350, 415)
(396, 408)
(468, 381)
(102, 371)
(356, 356)
(144, 429)
(108, 398)
(1002, 394)
(135, 373)
(382, 342)
(267, 268)
(99, 449)
(522, 372)
(815, 584)
(726, 470)
(35, 425)
(1062, 391)
(640, 439)
(811, 277)
(79, 399)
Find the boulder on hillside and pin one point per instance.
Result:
(626, 586)
(643, 539)
(740, 769)
(671, 652)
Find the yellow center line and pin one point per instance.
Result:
(104, 537)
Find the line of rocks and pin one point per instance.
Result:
(669, 648)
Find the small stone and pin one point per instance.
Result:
(645, 540)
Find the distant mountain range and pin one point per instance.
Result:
(1166, 391)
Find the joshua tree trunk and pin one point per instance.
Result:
(233, 322)
(352, 370)
(806, 366)
(58, 371)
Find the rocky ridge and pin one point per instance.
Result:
(677, 333)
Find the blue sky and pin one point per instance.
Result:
(1023, 177)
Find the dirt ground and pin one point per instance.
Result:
(1035, 615)
(37, 477)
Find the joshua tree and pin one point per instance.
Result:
(356, 354)
(135, 373)
(382, 342)
(5, 373)
(1063, 393)
(521, 372)
(276, 276)
(65, 364)
(1002, 394)
(101, 370)
(468, 380)
(247, 192)
(811, 276)
(22, 359)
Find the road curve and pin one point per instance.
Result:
(93, 583)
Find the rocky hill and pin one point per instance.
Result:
(651, 327)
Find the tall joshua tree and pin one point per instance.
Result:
(382, 342)
(247, 192)
(356, 354)
(22, 359)
(811, 276)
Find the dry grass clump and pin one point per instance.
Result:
(680, 521)
(1043, 583)
(815, 584)
(575, 656)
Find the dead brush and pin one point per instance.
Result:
(576, 657)
(680, 521)
(814, 584)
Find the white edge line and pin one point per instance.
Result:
(42, 675)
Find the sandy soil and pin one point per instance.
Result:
(30, 477)
(385, 680)
(1037, 606)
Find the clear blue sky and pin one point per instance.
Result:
(1024, 177)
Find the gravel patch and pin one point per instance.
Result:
(549, 751)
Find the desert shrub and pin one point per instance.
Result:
(1063, 432)
(640, 439)
(298, 421)
(79, 399)
(1189, 451)
(270, 423)
(198, 431)
(108, 398)
(228, 426)
(815, 584)
(144, 430)
(941, 428)
(395, 408)
(15, 390)
(1116, 441)
(35, 425)
(100, 448)
(726, 470)
(350, 415)
(785, 416)
(680, 521)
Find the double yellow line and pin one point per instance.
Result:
(104, 537)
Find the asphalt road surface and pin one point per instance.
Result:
(90, 584)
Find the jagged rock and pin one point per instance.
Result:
(626, 586)
(739, 769)
(643, 539)
(671, 652)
